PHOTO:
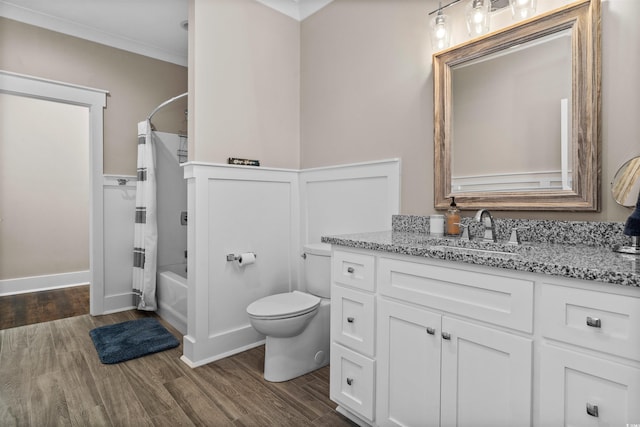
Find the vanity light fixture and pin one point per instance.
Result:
(522, 9)
(441, 28)
(477, 16)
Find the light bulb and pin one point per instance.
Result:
(440, 32)
(477, 16)
(522, 9)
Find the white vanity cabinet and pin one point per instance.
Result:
(425, 342)
(352, 374)
(436, 368)
(593, 378)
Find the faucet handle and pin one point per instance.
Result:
(515, 236)
(465, 231)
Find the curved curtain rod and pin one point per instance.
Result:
(165, 103)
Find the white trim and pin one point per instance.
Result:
(95, 100)
(225, 165)
(115, 181)
(296, 9)
(47, 89)
(202, 362)
(74, 29)
(23, 285)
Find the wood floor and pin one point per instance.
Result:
(50, 375)
(37, 307)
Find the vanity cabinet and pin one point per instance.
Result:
(437, 369)
(352, 374)
(425, 342)
(593, 379)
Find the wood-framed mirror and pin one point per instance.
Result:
(523, 134)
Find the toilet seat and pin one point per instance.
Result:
(283, 306)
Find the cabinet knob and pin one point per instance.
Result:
(349, 381)
(446, 336)
(431, 331)
(350, 319)
(594, 322)
(592, 409)
(350, 270)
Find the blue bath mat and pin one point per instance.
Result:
(132, 339)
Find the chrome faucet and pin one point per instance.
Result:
(485, 217)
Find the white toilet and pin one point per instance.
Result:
(296, 323)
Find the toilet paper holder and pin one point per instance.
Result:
(238, 257)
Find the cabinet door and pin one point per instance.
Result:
(408, 388)
(486, 376)
(580, 390)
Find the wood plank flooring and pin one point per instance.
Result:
(37, 307)
(50, 375)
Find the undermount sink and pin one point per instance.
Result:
(479, 251)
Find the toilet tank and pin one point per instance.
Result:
(317, 269)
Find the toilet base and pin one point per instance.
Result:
(288, 358)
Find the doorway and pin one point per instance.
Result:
(91, 102)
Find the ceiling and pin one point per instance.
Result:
(152, 28)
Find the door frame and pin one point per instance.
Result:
(95, 100)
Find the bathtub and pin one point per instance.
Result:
(171, 291)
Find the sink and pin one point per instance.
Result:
(478, 251)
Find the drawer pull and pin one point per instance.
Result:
(350, 270)
(592, 409)
(350, 381)
(446, 336)
(594, 322)
(431, 331)
(350, 319)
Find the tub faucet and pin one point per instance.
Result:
(485, 217)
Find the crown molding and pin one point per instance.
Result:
(53, 23)
(296, 9)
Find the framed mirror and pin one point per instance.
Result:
(517, 115)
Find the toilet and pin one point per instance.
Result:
(296, 324)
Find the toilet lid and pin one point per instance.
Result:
(289, 304)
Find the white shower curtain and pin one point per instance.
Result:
(145, 244)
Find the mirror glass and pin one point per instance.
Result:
(517, 115)
(625, 187)
(517, 102)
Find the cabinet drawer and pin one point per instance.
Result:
(351, 379)
(571, 382)
(596, 320)
(352, 319)
(355, 270)
(500, 300)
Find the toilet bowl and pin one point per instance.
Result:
(296, 324)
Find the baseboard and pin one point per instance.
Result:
(193, 365)
(47, 282)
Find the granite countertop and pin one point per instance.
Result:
(575, 260)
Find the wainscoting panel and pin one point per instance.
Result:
(234, 209)
(119, 213)
(349, 199)
(271, 212)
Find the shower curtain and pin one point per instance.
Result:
(145, 244)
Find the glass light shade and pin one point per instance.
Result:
(440, 32)
(477, 15)
(522, 9)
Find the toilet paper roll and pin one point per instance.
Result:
(246, 259)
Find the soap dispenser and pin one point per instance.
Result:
(453, 219)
